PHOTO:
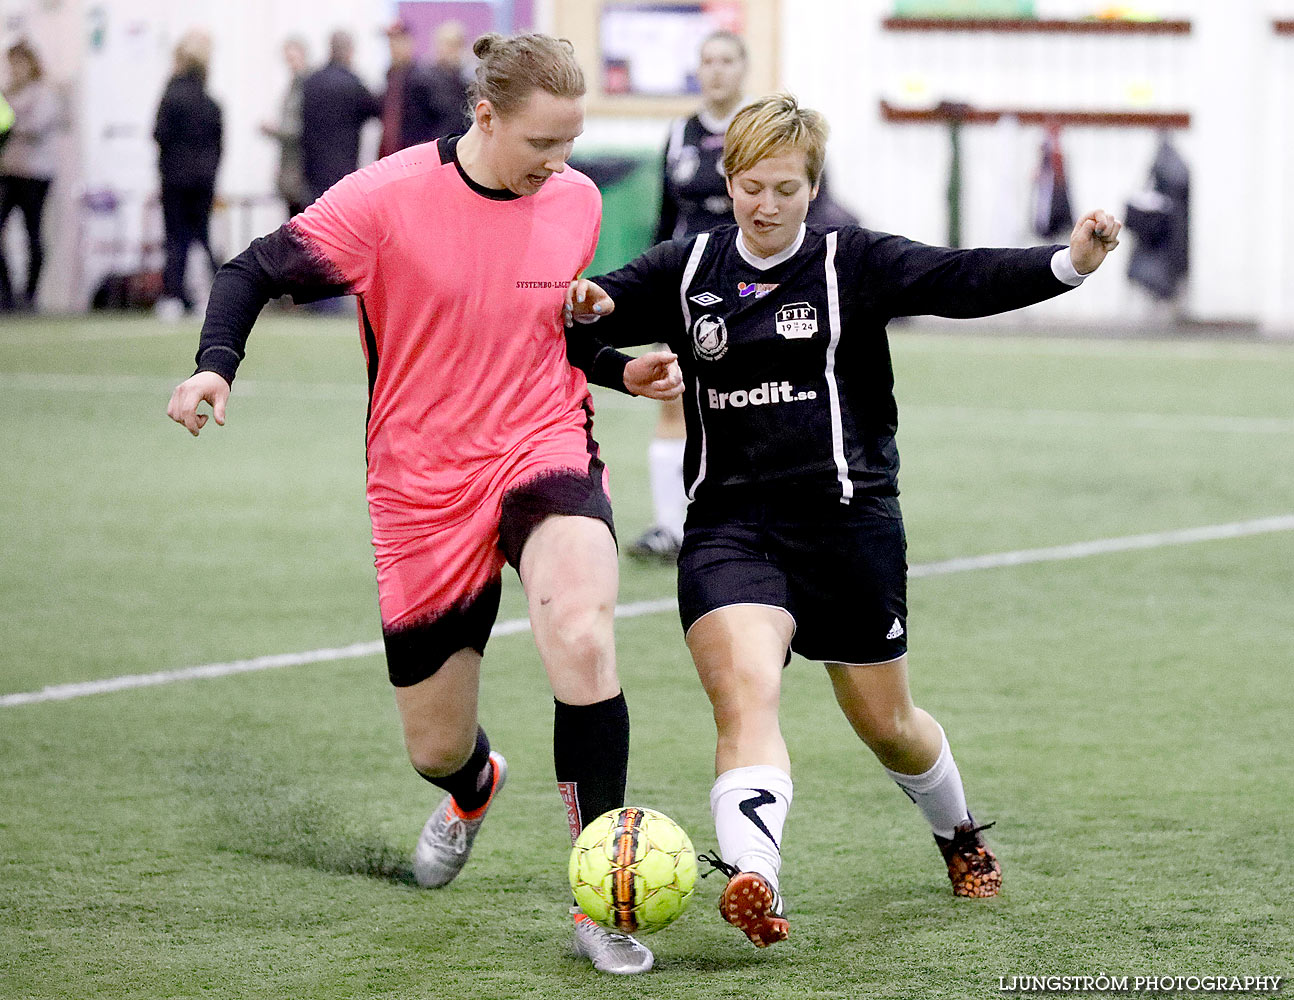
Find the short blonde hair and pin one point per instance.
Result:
(193, 53)
(511, 67)
(773, 125)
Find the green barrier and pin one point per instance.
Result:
(630, 185)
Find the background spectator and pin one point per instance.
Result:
(424, 102)
(290, 182)
(335, 104)
(27, 164)
(445, 83)
(189, 135)
(396, 111)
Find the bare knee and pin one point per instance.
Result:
(437, 757)
(745, 701)
(577, 644)
(888, 734)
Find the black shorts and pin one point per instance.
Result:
(416, 650)
(840, 570)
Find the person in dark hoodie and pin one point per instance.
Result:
(335, 104)
(189, 135)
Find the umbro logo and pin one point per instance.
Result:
(705, 299)
(896, 630)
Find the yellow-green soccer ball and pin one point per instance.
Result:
(633, 870)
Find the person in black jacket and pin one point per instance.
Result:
(335, 104)
(794, 539)
(694, 199)
(441, 88)
(189, 135)
(424, 102)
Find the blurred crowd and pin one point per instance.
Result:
(318, 128)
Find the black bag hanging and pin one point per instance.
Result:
(1160, 219)
(1053, 217)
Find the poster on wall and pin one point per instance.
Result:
(424, 17)
(640, 57)
(963, 8)
(651, 49)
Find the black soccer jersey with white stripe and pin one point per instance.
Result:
(694, 189)
(785, 360)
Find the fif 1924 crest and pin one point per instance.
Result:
(709, 337)
(797, 320)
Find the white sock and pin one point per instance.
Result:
(938, 793)
(665, 470)
(749, 805)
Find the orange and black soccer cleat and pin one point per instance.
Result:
(750, 904)
(972, 868)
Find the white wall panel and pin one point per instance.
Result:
(1276, 205)
(1231, 73)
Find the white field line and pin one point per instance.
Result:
(1023, 345)
(1105, 546)
(1191, 422)
(1078, 550)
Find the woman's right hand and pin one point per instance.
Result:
(204, 386)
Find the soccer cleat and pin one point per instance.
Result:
(656, 544)
(609, 951)
(446, 839)
(751, 904)
(972, 868)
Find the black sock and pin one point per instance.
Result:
(470, 784)
(591, 752)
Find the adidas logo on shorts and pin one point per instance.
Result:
(896, 630)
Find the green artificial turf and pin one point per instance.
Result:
(1123, 717)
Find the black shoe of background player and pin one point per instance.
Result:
(656, 545)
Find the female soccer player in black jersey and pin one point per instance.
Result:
(794, 538)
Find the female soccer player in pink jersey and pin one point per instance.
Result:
(480, 445)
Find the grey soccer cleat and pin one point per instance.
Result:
(445, 843)
(609, 951)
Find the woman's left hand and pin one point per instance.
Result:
(1095, 235)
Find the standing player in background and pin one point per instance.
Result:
(794, 538)
(480, 445)
(694, 199)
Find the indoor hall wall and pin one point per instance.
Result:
(124, 77)
(836, 57)
(1276, 200)
(114, 58)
